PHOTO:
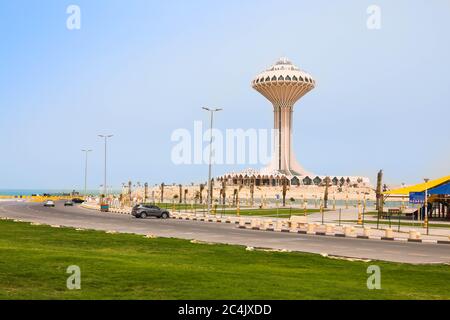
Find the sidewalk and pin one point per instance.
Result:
(370, 221)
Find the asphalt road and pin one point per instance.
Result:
(225, 233)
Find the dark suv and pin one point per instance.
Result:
(148, 210)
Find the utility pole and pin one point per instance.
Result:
(379, 203)
(86, 170)
(209, 195)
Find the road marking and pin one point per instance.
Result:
(417, 255)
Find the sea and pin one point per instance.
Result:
(29, 192)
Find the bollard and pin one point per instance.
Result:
(242, 223)
(389, 234)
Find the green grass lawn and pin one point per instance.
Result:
(245, 211)
(34, 259)
(272, 212)
(180, 206)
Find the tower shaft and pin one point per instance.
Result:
(284, 159)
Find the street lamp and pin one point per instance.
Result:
(426, 206)
(105, 190)
(209, 197)
(86, 170)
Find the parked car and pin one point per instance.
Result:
(49, 203)
(68, 203)
(147, 210)
(77, 200)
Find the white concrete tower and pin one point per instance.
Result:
(284, 84)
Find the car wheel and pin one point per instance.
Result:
(143, 215)
(164, 215)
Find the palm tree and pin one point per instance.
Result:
(284, 191)
(325, 196)
(202, 187)
(162, 192)
(224, 191)
(185, 195)
(252, 192)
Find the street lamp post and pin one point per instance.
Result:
(426, 222)
(105, 190)
(86, 170)
(209, 197)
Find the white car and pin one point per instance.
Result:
(49, 203)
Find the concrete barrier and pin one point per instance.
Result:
(267, 224)
(329, 229)
(414, 236)
(293, 227)
(367, 232)
(296, 222)
(388, 234)
(242, 223)
(349, 231)
(279, 225)
(311, 229)
(255, 224)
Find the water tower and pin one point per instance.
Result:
(283, 85)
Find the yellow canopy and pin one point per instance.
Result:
(418, 187)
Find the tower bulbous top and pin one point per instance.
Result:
(284, 71)
(283, 83)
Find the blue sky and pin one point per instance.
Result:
(140, 69)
